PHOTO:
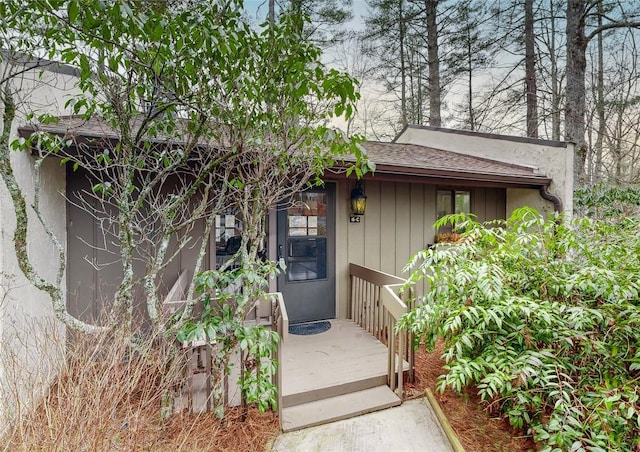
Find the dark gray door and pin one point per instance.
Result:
(306, 242)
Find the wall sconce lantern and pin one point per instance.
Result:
(358, 199)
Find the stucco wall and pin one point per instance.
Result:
(519, 197)
(31, 339)
(553, 159)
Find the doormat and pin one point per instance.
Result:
(306, 329)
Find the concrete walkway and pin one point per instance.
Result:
(410, 427)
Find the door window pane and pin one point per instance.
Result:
(307, 258)
(306, 241)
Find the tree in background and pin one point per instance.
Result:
(431, 49)
(551, 56)
(583, 25)
(530, 70)
(433, 61)
(326, 18)
(471, 53)
(613, 109)
(375, 114)
(388, 27)
(510, 68)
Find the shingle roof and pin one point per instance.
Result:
(397, 159)
(76, 126)
(79, 129)
(417, 160)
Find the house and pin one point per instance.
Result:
(424, 173)
(32, 342)
(427, 172)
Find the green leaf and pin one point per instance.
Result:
(72, 11)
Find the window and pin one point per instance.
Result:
(306, 237)
(452, 201)
(228, 231)
(226, 226)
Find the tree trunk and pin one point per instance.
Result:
(555, 83)
(575, 96)
(21, 233)
(597, 172)
(530, 71)
(272, 11)
(435, 104)
(472, 118)
(403, 65)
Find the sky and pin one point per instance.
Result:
(258, 9)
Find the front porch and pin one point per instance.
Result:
(341, 373)
(347, 370)
(334, 375)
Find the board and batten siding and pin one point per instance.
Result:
(397, 223)
(94, 268)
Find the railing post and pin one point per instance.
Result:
(280, 324)
(391, 361)
(411, 353)
(400, 361)
(376, 307)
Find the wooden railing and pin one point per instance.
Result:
(271, 311)
(174, 301)
(395, 308)
(377, 302)
(268, 311)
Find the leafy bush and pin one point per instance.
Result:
(228, 296)
(604, 201)
(543, 317)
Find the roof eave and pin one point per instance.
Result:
(533, 180)
(453, 176)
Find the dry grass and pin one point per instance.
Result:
(206, 434)
(106, 397)
(475, 428)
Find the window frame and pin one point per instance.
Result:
(453, 207)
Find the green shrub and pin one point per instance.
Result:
(607, 201)
(543, 317)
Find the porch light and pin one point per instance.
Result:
(358, 199)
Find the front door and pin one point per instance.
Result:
(306, 242)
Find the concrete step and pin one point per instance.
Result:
(336, 408)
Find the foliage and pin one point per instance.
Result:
(328, 18)
(223, 325)
(204, 113)
(209, 112)
(605, 201)
(542, 317)
(259, 345)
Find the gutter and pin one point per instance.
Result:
(548, 196)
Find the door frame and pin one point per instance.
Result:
(331, 189)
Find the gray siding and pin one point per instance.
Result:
(94, 266)
(398, 222)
